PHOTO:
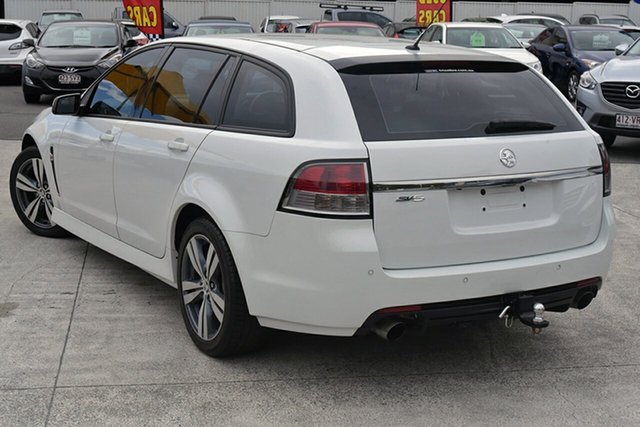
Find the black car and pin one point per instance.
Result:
(69, 56)
(568, 51)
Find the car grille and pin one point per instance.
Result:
(62, 69)
(615, 93)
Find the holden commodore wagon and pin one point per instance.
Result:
(327, 186)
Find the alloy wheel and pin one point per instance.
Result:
(572, 89)
(202, 287)
(33, 193)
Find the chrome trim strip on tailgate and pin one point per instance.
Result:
(487, 181)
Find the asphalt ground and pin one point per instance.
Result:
(88, 339)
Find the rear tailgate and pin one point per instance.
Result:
(453, 202)
(473, 162)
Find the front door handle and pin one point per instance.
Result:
(178, 145)
(107, 137)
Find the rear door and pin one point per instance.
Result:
(153, 153)
(473, 165)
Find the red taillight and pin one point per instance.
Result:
(339, 188)
(606, 170)
(402, 309)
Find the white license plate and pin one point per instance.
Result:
(69, 79)
(627, 121)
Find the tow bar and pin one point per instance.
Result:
(527, 311)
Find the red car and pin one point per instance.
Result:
(350, 28)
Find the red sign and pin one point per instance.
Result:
(429, 11)
(147, 15)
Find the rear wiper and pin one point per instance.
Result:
(506, 126)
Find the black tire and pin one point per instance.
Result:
(608, 140)
(30, 96)
(572, 86)
(207, 296)
(30, 194)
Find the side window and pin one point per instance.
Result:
(437, 35)
(115, 95)
(212, 106)
(550, 39)
(352, 16)
(167, 20)
(327, 16)
(379, 20)
(429, 33)
(181, 85)
(33, 30)
(560, 36)
(259, 100)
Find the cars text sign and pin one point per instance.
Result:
(429, 11)
(147, 15)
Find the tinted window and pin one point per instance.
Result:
(379, 20)
(406, 101)
(560, 35)
(9, 32)
(48, 18)
(599, 39)
(352, 16)
(437, 35)
(116, 93)
(212, 105)
(181, 84)
(328, 16)
(258, 100)
(33, 30)
(410, 33)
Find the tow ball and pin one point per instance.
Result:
(527, 311)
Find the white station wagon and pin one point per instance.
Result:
(327, 186)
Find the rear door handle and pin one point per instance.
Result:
(107, 137)
(178, 145)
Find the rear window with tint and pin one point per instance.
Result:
(9, 32)
(407, 101)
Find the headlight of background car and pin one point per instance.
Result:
(107, 63)
(536, 66)
(32, 62)
(590, 63)
(587, 81)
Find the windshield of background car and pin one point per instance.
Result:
(9, 32)
(350, 31)
(617, 21)
(526, 32)
(79, 36)
(599, 39)
(418, 100)
(490, 38)
(48, 18)
(201, 30)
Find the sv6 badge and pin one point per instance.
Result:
(417, 198)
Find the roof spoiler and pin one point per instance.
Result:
(351, 6)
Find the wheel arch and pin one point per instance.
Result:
(184, 216)
(28, 141)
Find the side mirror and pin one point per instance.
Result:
(66, 105)
(174, 25)
(130, 43)
(560, 47)
(621, 48)
(29, 42)
(526, 45)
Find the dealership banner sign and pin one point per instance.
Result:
(430, 11)
(147, 15)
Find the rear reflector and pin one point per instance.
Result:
(329, 188)
(606, 171)
(402, 309)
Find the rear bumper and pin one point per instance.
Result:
(556, 298)
(324, 276)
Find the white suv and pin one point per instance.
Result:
(327, 186)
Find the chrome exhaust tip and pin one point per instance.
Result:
(389, 329)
